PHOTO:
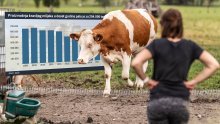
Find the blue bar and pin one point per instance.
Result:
(25, 46)
(97, 58)
(67, 49)
(42, 46)
(50, 46)
(59, 46)
(34, 45)
(74, 50)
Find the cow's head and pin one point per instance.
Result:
(89, 43)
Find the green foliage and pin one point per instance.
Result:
(190, 2)
(2, 2)
(104, 3)
(66, 1)
(83, 0)
(48, 3)
(37, 3)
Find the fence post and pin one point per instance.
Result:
(3, 78)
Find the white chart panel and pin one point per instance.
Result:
(40, 42)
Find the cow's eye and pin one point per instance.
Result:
(90, 45)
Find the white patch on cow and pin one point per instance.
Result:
(113, 56)
(139, 83)
(2, 116)
(1, 109)
(136, 48)
(144, 13)
(31, 120)
(18, 80)
(126, 63)
(120, 16)
(89, 48)
(108, 73)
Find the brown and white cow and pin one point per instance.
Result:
(118, 37)
(18, 80)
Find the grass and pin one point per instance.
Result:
(73, 6)
(200, 24)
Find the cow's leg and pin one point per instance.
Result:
(108, 73)
(126, 63)
(18, 80)
(139, 83)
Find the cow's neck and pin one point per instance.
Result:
(113, 56)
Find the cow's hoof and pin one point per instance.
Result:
(3, 118)
(130, 83)
(18, 86)
(106, 93)
(30, 121)
(139, 85)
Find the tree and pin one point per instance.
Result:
(51, 3)
(1, 2)
(169, 2)
(48, 3)
(104, 3)
(9, 2)
(201, 2)
(66, 1)
(210, 2)
(198, 2)
(82, 2)
(117, 2)
(20, 3)
(37, 3)
(182, 2)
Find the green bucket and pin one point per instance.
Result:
(12, 97)
(27, 107)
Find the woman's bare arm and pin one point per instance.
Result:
(138, 62)
(211, 66)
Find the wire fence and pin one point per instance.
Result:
(196, 95)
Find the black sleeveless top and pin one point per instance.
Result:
(172, 62)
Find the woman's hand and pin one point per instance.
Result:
(190, 84)
(151, 84)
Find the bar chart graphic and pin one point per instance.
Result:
(40, 42)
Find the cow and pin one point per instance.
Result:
(19, 80)
(120, 35)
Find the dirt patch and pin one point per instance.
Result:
(64, 108)
(60, 106)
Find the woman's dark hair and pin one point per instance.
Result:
(172, 24)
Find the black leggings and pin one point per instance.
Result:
(167, 111)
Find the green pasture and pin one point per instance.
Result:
(90, 6)
(201, 24)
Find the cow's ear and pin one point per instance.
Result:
(75, 36)
(97, 37)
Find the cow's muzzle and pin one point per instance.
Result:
(80, 61)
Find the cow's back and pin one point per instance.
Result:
(144, 25)
(127, 30)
